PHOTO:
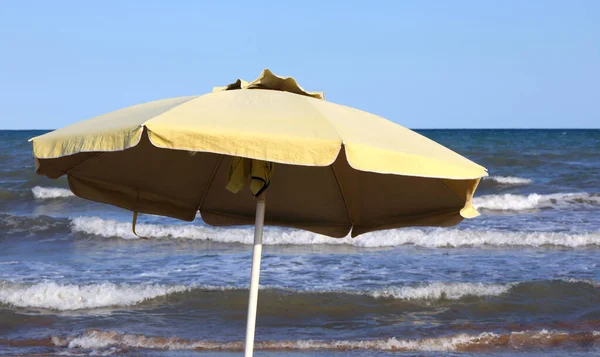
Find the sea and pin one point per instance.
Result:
(523, 279)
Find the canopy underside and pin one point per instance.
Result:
(330, 200)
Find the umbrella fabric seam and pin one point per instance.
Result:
(450, 188)
(382, 172)
(81, 163)
(143, 125)
(337, 180)
(136, 128)
(326, 120)
(210, 181)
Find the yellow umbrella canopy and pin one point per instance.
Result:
(335, 169)
(327, 168)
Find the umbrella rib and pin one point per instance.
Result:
(210, 181)
(448, 186)
(342, 193)
(68, 172)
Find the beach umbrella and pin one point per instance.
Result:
(326, 168)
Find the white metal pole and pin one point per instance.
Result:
(255, 275)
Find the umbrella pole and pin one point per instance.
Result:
(255, 275)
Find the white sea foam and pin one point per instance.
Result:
(432, 238)
(102, 339)
(50, 295)
(456, 291)
(425, 292)
(43, 193)
(96, 339)
(439, 290)
(591, 282)
(509, 180)
(510, 202)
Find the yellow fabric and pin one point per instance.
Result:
(271, 119)
(241, 170)
(114, 131)
(266, 125)
(267, 80)
(465, 190)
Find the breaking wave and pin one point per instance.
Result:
(439, 290)
(510, 202)
(43, 193)
(432, 238)
(53, 296)
(479, 342)
(508, 180)
(66, 297)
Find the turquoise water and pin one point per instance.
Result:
(522, 279)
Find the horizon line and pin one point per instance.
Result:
(598, 128)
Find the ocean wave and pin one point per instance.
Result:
(64, 297)
(508, 180)
(435, 291)
(53, 296)
(439, 290)
(479, 342)
(68, 297)
(511, 202)
(431, 238)
(590, 282)
(10, 224)
(43, 193)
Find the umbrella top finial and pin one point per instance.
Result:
(268, 80)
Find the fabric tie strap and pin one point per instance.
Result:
(135, 215)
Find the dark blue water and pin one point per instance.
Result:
(522, 279)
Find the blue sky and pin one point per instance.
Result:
(423, 64)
